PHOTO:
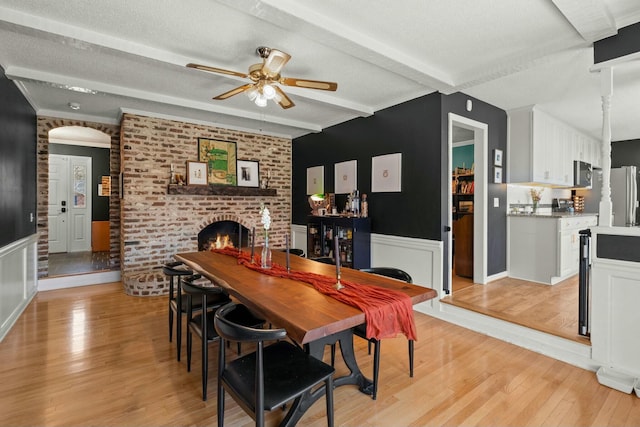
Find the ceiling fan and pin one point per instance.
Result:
(266, 77)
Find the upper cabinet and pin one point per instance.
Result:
(542, 149)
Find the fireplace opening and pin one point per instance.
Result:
(221, 234)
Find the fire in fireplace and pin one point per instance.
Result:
(222, 234)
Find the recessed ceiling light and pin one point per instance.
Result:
(74, 105)
(80, 89)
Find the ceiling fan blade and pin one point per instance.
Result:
(309, 84)
(216, 70)
(235, 91)
(282, 98)
(274, 62)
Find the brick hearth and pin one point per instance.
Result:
(156, 225)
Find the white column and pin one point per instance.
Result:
(606, 91)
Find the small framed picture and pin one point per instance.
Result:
(248, 173)
(497, 157)
(346, 178)
(386, 173)
(315, 180)
(497, 175)
(196, 173)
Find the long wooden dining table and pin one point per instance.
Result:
(311, 318)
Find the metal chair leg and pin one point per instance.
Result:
(411, 358)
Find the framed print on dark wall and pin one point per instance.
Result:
(220, 157)
(497, 175)
(196, 173)
(497, 157)
(248, 173)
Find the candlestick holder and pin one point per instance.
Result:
(338, 285)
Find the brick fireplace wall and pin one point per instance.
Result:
(156, 225)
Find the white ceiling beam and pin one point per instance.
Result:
(71, 35)
(590, 18)
(290, 14)
(23, 74)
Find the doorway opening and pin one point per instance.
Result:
(78, 203)
(467, 200)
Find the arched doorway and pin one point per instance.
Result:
(70, 137)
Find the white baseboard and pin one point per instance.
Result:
(62, 282)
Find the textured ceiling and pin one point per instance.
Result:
(509, 53)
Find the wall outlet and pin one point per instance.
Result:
(496, 202)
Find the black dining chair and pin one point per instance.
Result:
(269, 377)
(361, 330)
(295, 251)
(324, 260)
(176, 270)
(201, 322)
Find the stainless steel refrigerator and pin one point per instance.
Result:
(624, 195)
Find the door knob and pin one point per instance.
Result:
(63, 210)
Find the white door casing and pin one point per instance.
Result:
(481, 131)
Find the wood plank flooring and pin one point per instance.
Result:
(95, 356)
(550, 309)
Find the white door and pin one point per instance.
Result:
(69, 203)
(58, 202)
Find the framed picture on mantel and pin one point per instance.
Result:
(220, 157)
(248, 173)
(196, 173)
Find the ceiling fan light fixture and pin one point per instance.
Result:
(253, 93)
(261, 101)
(268, 91)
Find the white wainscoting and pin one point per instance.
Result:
(615, 321)
(18, 280)
(421, 258)
(299, 237)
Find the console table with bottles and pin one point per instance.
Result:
(354, 239)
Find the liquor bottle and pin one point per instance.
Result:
(364, 206)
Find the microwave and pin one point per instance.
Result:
(582, 174)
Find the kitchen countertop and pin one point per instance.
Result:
(553, 214)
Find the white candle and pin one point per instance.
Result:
(337, 256)
(253, 241)
(286, 237)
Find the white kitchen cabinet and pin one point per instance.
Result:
(545, 248)
(541, 148)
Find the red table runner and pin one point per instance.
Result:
(387, 312)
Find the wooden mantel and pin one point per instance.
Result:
(218, 190)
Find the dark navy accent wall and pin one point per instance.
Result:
(18, 180)
(417, 129)
(624, 248)
(411, 128)
(99, 167)
(496, 119)
(626, 42)
(625, 153)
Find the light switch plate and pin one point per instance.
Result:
(496, 202)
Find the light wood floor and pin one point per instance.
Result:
(550, 309)
(95, 356)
